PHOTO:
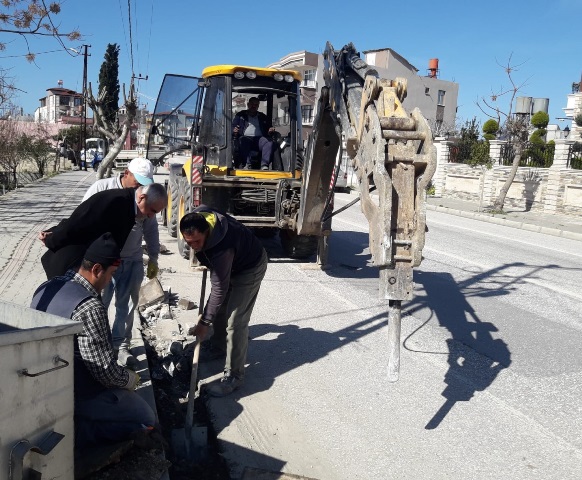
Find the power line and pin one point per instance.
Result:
(150, 38)
(123, 25)
(27, 54)
(130, 35)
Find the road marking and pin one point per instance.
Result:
(487, 267)
(484, 267)
(536, 245)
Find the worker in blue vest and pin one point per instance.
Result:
(107, 409)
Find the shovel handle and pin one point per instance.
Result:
(202, 291)
(195, 357)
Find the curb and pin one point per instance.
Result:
(507, 223)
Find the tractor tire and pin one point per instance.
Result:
(173, 193)
(298, 246)
(185, 206)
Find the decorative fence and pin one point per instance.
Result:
(548, 179)
(575, 156)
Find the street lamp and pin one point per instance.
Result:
(566, 131)
(85, 54)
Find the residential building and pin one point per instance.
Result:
(60, 105)
(573, 109)
(436, 98)
(308, 64)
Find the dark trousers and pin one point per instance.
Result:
(259, 144)
(110, 417)
(231, 325)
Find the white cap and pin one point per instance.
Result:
(142, 170)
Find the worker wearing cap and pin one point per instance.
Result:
(106, 407)
(128, 278)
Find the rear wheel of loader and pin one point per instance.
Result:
(185, 206)
(298, 246)
(173, 194)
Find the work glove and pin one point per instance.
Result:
(152, 270)
(134, 380)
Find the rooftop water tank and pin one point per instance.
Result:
(540, 105)
(433, 67)
(523, 105)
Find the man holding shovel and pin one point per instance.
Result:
(237, 262)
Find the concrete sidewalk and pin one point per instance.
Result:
(559, 225)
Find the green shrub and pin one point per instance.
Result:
(537, 137)
(540, 119)
(578, 120)
(490, 127)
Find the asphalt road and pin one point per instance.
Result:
(490, 369)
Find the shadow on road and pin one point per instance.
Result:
(475, 357)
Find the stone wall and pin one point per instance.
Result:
(555, 189)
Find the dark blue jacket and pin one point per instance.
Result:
(241, 120)
(231, 248)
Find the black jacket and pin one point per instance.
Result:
(107, 211)
(231, 248)
(241, 120)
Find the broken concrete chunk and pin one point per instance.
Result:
(166, 312)
(186, 304)
(150, 293)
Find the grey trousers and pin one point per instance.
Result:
(231, 324)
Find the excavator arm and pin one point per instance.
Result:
(393, 158)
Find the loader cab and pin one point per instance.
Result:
(196, 115)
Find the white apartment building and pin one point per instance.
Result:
(60, 105)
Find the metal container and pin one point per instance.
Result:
(523, 105)
(36, 394)
(540, 105)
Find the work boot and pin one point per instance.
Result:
(125, 357)
(228, 384)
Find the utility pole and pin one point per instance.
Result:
(84, 121)
(140, 134)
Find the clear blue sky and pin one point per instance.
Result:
(470, 39)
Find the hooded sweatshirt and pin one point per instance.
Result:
(229, 249)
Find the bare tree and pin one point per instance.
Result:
(28, 18)
(513, 128)
(10, 151)
(114, 132)
(7, 91)
(37, 147)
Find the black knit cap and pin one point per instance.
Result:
(104, 251)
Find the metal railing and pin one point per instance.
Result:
(532, 155)
(575, 156)
(460, 153)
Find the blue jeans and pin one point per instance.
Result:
(111, 416)
(126, 284)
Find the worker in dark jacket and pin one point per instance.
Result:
(112, 211)
(251, 129)
(237, 262)
(106, 407)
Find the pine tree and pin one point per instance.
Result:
(109, 82)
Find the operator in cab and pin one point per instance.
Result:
(251, 129)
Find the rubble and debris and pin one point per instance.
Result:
(186, 304)
(151, 292)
